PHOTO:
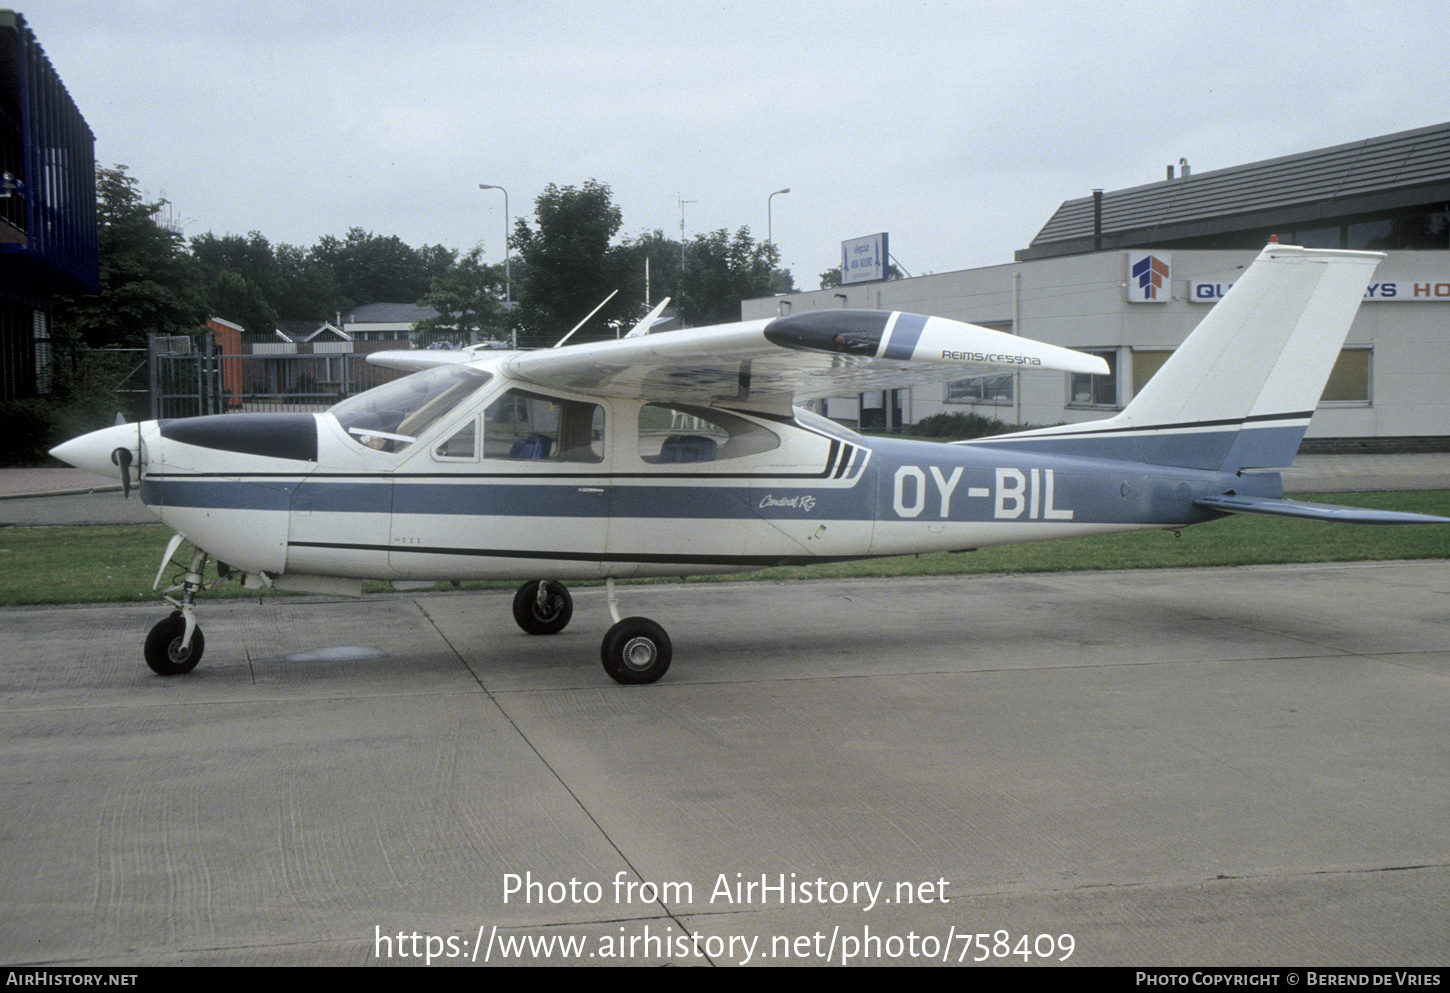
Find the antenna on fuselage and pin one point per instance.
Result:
(586, 320)
(648, 320)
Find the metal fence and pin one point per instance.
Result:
(187, 377)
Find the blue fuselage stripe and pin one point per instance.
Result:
(523, 500)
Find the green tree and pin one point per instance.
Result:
(233, 297)
(307, 288)
(372, 268)
(241, 278)
(149, 283)
(720, 272)
(467, 298)
(251, 258)
(568, 266)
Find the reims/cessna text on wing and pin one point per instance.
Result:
(684, 453)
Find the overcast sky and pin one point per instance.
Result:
(957, 127)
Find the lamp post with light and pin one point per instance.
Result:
(769, 227)
(507, 283)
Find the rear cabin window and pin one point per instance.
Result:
(673, 433)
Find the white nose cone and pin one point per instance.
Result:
(94, 452)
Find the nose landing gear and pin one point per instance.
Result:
(175, 644)
(168, 651)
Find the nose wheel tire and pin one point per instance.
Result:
(164, 653)
(549, 617)
(635, 651)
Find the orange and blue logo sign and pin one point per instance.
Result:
(1148, 278)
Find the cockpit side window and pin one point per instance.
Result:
(391, 417)
(532, 427)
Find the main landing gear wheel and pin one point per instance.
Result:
(546, 614)
(164, 653)
(636, 650)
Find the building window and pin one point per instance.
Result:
(1349, 381)
(1145, 364)
(1088, 390)
(993, 388)
(1323, 237)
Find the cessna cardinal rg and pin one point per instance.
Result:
(683, 453)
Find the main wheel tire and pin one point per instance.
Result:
(552, 617)
(164, 653)
(635, 651)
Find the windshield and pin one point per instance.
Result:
(391, 417)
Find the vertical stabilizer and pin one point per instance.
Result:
(1239, 392)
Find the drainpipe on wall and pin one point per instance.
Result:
(1097, 220)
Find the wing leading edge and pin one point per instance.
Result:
(773, 362)
(788, 359)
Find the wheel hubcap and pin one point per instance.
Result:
(639, 653)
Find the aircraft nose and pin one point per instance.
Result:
(96, 452)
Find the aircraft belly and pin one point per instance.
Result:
(242, 522)
(906, 538)
(339, 544)
(339, 528)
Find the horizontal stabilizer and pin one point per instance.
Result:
(1312, 511)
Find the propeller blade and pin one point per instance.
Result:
(122, 458)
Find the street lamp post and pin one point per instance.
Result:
(769, 227)
(507, 282)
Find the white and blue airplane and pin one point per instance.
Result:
(685, 453)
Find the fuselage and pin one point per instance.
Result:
(473, 476)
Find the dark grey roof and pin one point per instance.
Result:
(1378, 174)
(388, 313)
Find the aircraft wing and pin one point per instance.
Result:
(775, 362)
(418, 359)
(1313, 511)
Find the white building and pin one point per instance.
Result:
(1129, 273)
